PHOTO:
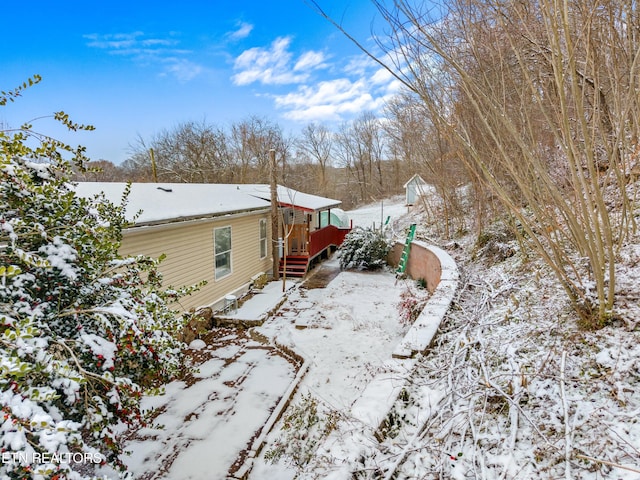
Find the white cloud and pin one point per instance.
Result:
(183, 69)
(154, 42)
(382, 76)
(360, 65)
(362, 85)
(146, 51)
(327, 92)
(118, 42)
(394, 87)
(316, 113)
(269, 66)
(243, 31)
(310, 60)
(328, 100)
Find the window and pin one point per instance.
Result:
(263, 238)
(222, 251)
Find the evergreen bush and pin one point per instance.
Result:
(365, 249)
(84, 332)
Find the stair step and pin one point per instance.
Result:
(297, 268)
(294, 262)
(296, 265)
(294, 273)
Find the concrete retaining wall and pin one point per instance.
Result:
(431, 263)
(423, 263)
(373, 406)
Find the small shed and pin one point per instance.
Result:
(414, 189)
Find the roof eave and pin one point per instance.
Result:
(309, 209)
(206, 216)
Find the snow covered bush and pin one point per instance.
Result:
(412, 301)
(83, 332)
(364, 248)
(496, 243)
(304, 428)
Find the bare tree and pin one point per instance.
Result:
(424, 147)
(250, 143)
(349, 157)
(192, 152)
(316, 142)
(360, 149)
(371, 146)
(540, 99)
(99, 171)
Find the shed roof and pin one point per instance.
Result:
(415, 180)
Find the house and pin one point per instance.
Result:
(306, 235)
(220, 233)
(414, 189)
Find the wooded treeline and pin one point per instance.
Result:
(363, 160)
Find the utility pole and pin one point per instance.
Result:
(274, 214)
(154, 171)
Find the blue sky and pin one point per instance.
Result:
(135, 68)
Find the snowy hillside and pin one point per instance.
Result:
(513, 388)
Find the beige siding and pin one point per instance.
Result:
(188, 247)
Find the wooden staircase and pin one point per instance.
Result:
(297, 265)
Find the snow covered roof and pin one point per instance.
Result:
(165, 202)
(291, 198)
(415, 180)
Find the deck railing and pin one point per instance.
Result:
(322, 238)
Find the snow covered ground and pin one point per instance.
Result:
(207, 423)
(350, 327)
(374, 214)
(512, 389)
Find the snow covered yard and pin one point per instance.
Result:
(514, 388)
(345, 331)
(349, 329)
(207, 421)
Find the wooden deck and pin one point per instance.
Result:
(297, 262)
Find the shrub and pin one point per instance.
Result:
(84, 332)
(305, 426)
(364, 248)
(411, 305)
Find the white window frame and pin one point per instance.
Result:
(221, 275)
(262, 241)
